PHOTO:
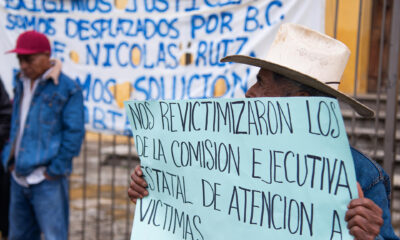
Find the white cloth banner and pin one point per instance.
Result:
(150, 49)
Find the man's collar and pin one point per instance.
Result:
(52, 73)
(55, 71)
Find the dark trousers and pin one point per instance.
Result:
(4, 200)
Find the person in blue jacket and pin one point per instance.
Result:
(47, 129)
(303, 62)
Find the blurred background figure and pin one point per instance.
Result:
(5, 118)
(47, 128)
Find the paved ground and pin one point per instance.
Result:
(102, 211)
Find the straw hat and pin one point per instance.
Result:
(308, 57)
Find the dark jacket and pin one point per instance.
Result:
(375, 184)
(5, 115)
(5, 120)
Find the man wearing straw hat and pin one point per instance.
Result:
(303, 62)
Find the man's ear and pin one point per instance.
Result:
(47, 55)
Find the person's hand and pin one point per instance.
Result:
(364, 217)
(137, 188)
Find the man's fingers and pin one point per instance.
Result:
(360, 234)
(133, 195)
(364, 218)
(358, 210)
(139, 189)
(138, 179)
(356, 232)
(366, 203)
(137, 171)
(358, 221)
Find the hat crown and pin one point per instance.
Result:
(31, 42)
(309, 58)
(310, 53)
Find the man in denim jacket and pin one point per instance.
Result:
(47, 129)
(302, 62)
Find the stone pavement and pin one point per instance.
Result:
(101, 211)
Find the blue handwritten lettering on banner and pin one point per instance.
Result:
(150, 6)
(28, 22)
(96, 89)
(214, 22)
(100, 113)
(210, 52)
(60, 6)
(253, 21)
(106, 119)
(58, 50)
(106, 6)
(195, 4)
(164, 55)
(270, 6)
(101, 6)
(189, 86)
(148, 28)
(161, 6)
(278, 168)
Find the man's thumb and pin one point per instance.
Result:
(360, 191)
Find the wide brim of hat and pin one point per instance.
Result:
(303, 79)
(25, 51)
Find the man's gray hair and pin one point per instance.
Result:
(312, 91)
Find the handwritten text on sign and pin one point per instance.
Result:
(229, 169)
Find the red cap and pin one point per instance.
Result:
(31, 42)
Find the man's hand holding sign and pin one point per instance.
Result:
(137, 188)
(267, 167)
(364, 217)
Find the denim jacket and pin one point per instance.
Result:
(375, 184)
(54, 127)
